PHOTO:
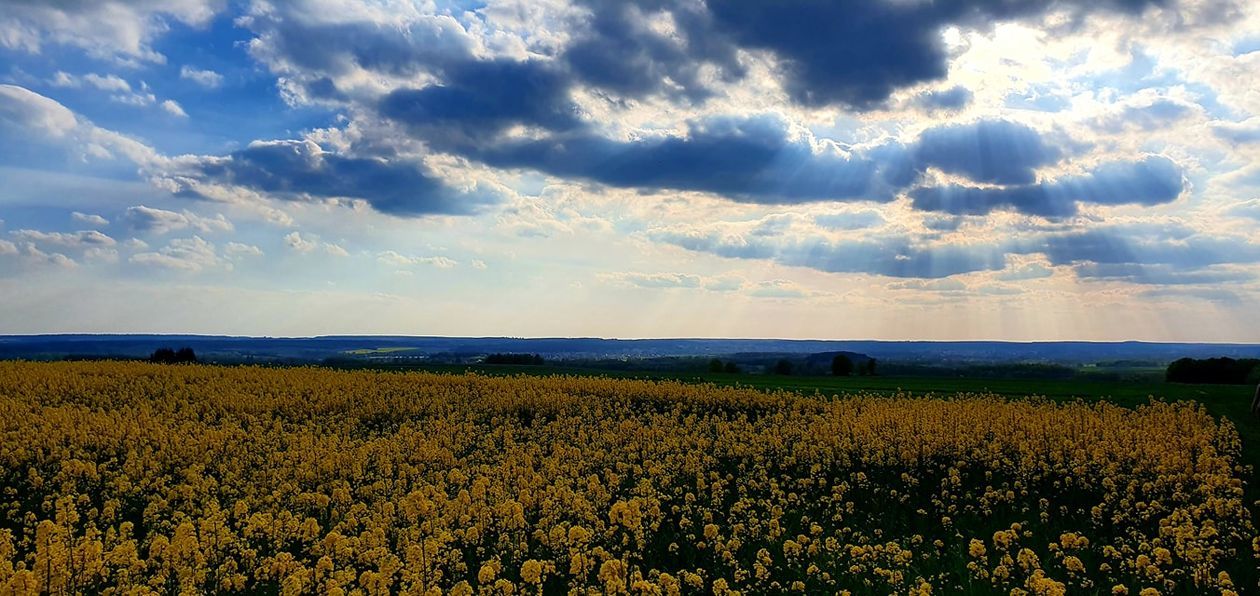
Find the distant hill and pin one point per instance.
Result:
(314, 349)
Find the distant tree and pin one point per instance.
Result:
(185, 355)
(869, 369)
(162, 356)
(1212, 370)
(841, 366)
(731, 367)
(532, 359)
(715, 366)
(783, 367)
(169, 356)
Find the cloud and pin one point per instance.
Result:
(1160, 274)
(45, 122)
(892, 256)
(30, 254)
(89, 218)
(1148, 115)
(238, 249)
(620, 51)
(161, 221)
(655, 280)
(1147, 245)
(208, 79)
(755, 159)
(185, 254)
(1249, 209)
(174, 109)
(478, 99)
(396, 259)
(1149, 181)
(858, 53)
(995, 151)
(952, 99)
(1026, 272)
(76, 240)
(778, 288)
(301, 169)
(117, 29)
(1240, 133)
(852, 220)
(295, 241)
(930, 285)
(308, 244)
(21, 108)
(119, 89)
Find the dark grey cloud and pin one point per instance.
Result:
(746, 159)
(478, 99)
(1146, 246)
(620, 53)
(858, 52)
(996, 151)
(1150, 181)
(952, 99)
(299, 169)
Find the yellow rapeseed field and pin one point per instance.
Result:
(139, 478)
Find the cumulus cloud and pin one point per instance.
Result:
(174, 109)
(890, 255)
(1149, 181)
(994, 151)
(397, 259)
(295, 241)
(185, 254)
(755, 159)
(302, 170)
(77, 240)
(45, 122)
(120, 29)
(655, 280)
(308, 244)
(1239, 132)
(206, 78)
(239, 249)
(951, 99)
(858, 53)
(89, 218)
(161, 221)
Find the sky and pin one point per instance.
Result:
(846, 169)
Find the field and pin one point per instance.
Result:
(139, 478)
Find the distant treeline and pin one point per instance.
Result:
(1225, 371)
(514, 359)
(169, 356)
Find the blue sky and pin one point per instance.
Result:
(971, 169)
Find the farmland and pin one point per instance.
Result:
(134, 477)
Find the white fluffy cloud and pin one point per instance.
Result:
(160, 221)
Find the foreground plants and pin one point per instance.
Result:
(130, 477)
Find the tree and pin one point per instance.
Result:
(732, 368)
(783, 367)
(715, 366)
(185, 355)
(870, 367)
(841, 366)
(170, 356)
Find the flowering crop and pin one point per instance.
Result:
(139, 478)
